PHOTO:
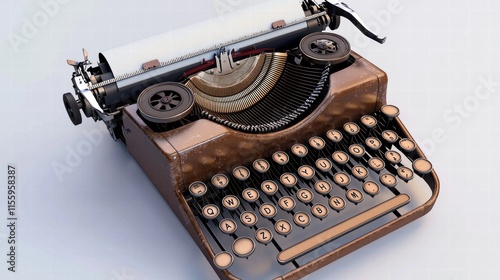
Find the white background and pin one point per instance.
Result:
(103, 219)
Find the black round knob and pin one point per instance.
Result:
(72, 108)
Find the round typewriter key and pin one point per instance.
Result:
(280, 158)
(261, 165)
(286, 203)
(390, 111)
(306, 172)
(340, 157)
(373, 143)
(269, 187)
(393, 157)
(223, 260)
(288, 179)
(405, 173)
(263, 235)
(390, 136)
(356, 150)
(317, 142)
(243, 247)
(388, 180)
(267, 210)
(250, 194)
(351, 128)
(283, 227)
(371, 188)
(360, 172)
(210, 211)
(334, 135)
(354, 196)
(422, 166)
(248, 218)
(220, 181)
(241, 173)
(323, 164)
(299, 150)
(337, 203)
(230, 202)
(227, 226)
(319, 211)
(322, 187)
(369, 121)
(197, 189)
(407, 145)
(376, 164)
(341, 179)
(305, 195)
(301, 219)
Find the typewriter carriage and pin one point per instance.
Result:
(105, 90)
(236, 93)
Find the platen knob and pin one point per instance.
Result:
(72, 108)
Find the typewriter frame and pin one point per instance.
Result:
(173, 159)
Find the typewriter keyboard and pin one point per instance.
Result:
(281, 212)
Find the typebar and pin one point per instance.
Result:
(338, 230)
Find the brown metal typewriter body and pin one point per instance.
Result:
(199, 150)
(277, 161)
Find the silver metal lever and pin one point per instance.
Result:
(341, 9)
(224, 61)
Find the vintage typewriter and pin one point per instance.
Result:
(274, 147)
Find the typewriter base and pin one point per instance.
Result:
(174, 159)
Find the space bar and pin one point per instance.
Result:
(338, 230)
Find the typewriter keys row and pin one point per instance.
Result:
(293, 203)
